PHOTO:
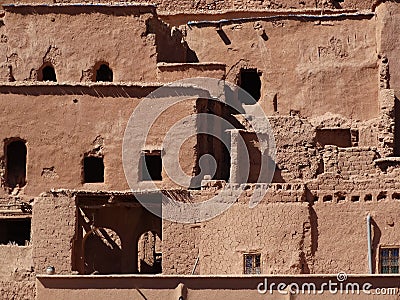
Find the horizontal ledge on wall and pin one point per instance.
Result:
(101, 89)
(116, 8)
(279, 15)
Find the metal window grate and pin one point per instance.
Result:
(252, 264)
(389, 260)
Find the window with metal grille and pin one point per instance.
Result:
(389, 260)
(252, 264)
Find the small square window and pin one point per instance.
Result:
(389, 260)
(252, 264)
(151, 166)
(93, 169)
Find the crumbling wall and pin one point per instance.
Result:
(296, 154)
(357, 161)
(311, 220)
(171, 48)
(17, 277)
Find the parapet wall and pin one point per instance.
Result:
(215, 5)
(214, 287)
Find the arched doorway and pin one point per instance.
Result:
(149, 253)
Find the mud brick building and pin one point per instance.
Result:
(325, 73)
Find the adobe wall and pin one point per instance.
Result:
(95, 124)
(16, 261)
(343, 224)
(12, 289)
(292, 237)
(278, 228)
(387, 16)
(311, 66)
(80, 42)
(279, 232)
(17, 278)
(53, 230)
(54, 159)
(343, 46)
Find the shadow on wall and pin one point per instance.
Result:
(375, 243)
(103, 252)
(169, 43)
(396, 127)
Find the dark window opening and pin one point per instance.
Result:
(340, 196)
(355, 198)
(252, 264)
(151, 166)
(381, 195)
(48, 74)
(104, 73)
(15, 231)
(334, 136)
(368, 197)
(389, 260)
(16, 164)
(250, 81)
(327, 198)
(93, 168)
